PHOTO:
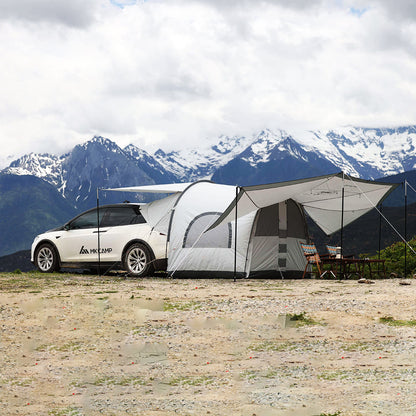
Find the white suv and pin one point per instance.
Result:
(123, 238)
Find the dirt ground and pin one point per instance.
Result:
(88, 345)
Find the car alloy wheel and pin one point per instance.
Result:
(137, 260)
(46, 259)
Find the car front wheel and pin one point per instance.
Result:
(137, 261)
(46, 258)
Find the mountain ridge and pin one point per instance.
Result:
(70, 180)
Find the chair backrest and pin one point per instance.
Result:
(311, 253)
(332, 250)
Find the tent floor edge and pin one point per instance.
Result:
(206, 274)
(276, 274)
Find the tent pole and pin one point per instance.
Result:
(98, 234)
(405, 228)
(342, 225)
(379, 236)
(235, 236)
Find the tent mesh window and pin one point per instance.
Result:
(295, 220)
(268, 221)
(219, 237)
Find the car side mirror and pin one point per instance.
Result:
(67, 227)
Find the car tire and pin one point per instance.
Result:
(46, 258)
(138, 261)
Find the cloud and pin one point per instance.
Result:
(397, 10)
(73, 13)
(179, 73)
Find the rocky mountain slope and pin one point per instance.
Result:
(267, 156)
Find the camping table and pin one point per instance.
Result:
(342, 267)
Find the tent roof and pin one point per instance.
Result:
(321, 197)
(325, 198)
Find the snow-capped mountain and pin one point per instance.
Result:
(273, 157)
(266, 156)
(98, 163)
(202, 162)
(44, 166)
(67, 184)
(366, 152)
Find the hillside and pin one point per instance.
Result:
(28, 205)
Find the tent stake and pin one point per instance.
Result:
(235, 236)
(98, 234)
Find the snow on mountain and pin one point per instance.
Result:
(149, 164)
(366, 152)
(44, 166)
(264, 156)
(201, 162)
(267, 143)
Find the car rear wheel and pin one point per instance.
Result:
(137, 260)
(46, 259)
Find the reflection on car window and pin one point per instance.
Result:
(87, 220)
(115, 216)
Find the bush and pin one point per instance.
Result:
(394, 257)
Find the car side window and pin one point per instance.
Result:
(86, 220)
(116, 216)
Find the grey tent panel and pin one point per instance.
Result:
(196, 237)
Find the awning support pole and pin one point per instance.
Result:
(379, 237)
(98, 234)
(235, 236)
(342, 225)
(405, 228)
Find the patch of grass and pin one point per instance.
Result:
(273, 346)
(250, 374)
(191, 381)
(101, 292)
(24, 382)
(67, 411)
(68, 347)
(119, 381)
(302, 319)
(181, 306)
(334, 375)
(271, 374)
(358, 346)
(389, 320)
(330, 414)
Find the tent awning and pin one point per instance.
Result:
(155, 189)
(324, 198)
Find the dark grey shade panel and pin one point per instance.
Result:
(268, 221)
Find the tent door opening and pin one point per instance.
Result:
(268, 242)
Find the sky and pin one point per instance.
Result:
(179, 73)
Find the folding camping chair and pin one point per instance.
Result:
(334, 251)
(312, 257)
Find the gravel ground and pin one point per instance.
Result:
(85, 345)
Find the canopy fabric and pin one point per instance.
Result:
(155, 189)
(322, 198)
(157, 213)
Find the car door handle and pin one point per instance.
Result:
(101, 231)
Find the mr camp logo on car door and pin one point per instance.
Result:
(84, 250)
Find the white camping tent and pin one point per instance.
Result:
(220, 229)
